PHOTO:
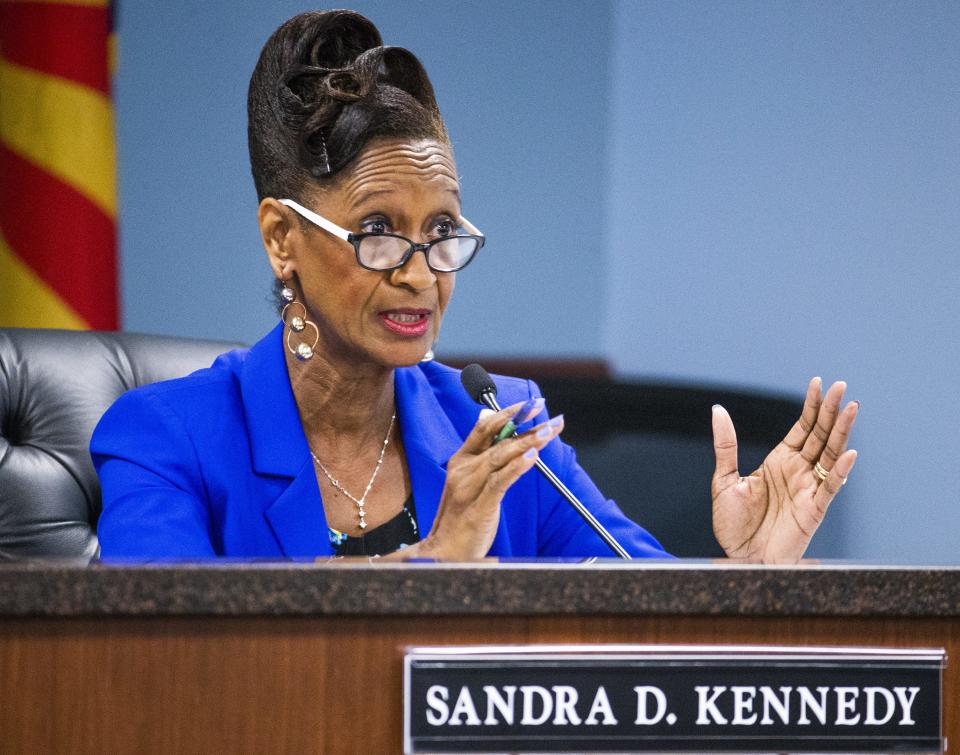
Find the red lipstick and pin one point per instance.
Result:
(406, 321)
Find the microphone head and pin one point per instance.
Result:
(476, 382)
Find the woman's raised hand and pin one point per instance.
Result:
(771, 515)
(478, 475)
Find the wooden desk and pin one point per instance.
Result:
(303, 658)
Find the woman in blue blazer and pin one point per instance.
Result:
(217, 463)
(336, 434)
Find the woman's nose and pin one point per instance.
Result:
(415, 272)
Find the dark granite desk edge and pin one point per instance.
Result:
(57, 590)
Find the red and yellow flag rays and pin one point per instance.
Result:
(58, 198)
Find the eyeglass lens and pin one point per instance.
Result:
(385, 252)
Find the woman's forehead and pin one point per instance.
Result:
(395, 166)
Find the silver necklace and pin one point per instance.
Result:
(362, 500)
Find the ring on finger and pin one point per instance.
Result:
(820, 472)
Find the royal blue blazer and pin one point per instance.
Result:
(217, 464)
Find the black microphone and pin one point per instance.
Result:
(481, 388)
(479, 385)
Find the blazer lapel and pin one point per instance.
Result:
(279, 448)
(277, 443)
(429, 440)
(297, 517)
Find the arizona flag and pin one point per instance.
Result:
(58, 197)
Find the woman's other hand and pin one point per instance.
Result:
(771, 515)
(478, 475)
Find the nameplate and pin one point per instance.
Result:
(672, 699)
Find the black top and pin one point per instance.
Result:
(390, 536)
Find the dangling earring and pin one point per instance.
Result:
(297, 324)
(428, 357)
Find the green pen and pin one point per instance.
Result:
(525, 412)
(508, 430)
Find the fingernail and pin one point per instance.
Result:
(556, 421)
(524, 408)
(485, 413)
(530, 453)
(716, 407)
(858, 405)
(529, 410)
(545, 432)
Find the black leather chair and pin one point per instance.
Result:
(54, 386)
(649, 446)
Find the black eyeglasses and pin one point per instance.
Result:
(388, 251)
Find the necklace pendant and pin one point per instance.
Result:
(338, 488)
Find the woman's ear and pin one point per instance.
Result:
(275, 231)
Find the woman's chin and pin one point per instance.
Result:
(410, 360)
(404, 355)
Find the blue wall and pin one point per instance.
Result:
(740, 192)
(784, 201)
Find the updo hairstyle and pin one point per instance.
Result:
(324, 87)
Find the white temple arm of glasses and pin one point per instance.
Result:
(345, 234)
(470, 227)
(317, 219)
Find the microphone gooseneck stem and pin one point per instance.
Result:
(490, 399)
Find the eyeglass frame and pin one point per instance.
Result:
(354, 239)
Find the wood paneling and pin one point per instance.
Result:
(316, 685)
